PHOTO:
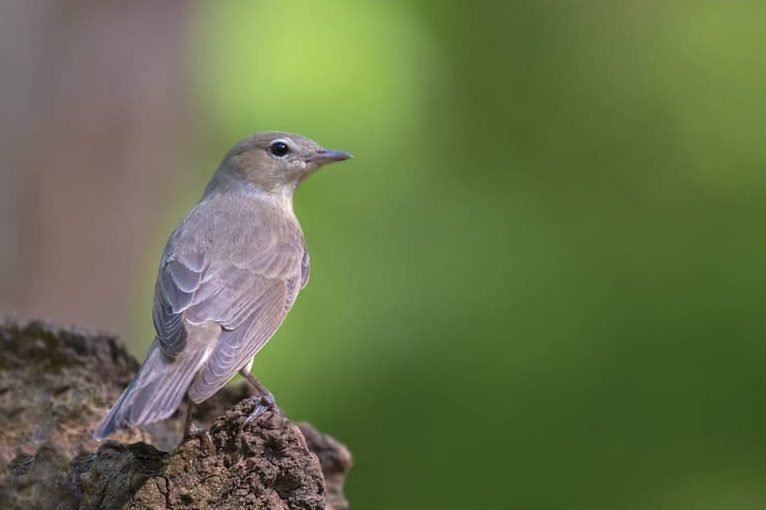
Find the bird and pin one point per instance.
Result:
(229, 274)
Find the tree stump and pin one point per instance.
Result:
(55, 384)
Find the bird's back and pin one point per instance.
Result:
(230, 272)
(247, 259)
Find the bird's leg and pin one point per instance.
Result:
(191, 430)
(263, 398)
(188, 424)
(255, 384)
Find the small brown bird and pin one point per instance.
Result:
(229, 274)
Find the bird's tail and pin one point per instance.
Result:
(154, 394)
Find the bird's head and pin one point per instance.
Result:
(275, 160)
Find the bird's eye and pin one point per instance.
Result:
(279, 149)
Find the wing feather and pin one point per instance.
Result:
(237, 346)
(237, 263)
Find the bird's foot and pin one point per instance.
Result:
(263, 403)
(194, 432)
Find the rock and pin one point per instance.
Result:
(55, 384)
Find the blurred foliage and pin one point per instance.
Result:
(539, 284)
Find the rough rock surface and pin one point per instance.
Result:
(55, 384)
(335, 460)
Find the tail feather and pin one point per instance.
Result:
(154, 394)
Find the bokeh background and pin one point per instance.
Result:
(539, 284)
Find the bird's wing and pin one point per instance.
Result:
(305, 267)
(179, 279)
(257, 321)
(238, 265)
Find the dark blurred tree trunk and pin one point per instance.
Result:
(93, 96)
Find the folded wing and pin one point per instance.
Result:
(239, 267)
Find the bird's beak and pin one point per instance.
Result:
(323, 156)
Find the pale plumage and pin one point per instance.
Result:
(228, 276)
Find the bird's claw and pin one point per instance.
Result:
(263, 403)
(203, 435)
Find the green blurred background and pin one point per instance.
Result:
(540, 282)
